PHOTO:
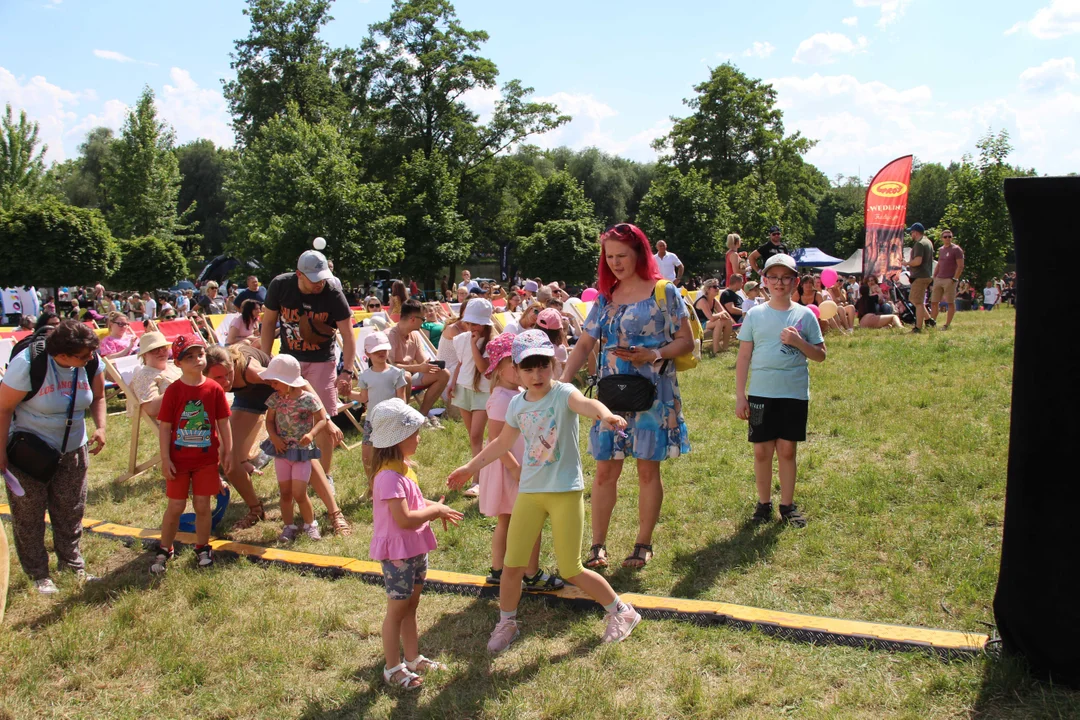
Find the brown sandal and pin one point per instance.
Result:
(255, 514)
(642, 554)
(341, 525)
(596, 560)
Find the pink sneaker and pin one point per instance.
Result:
(504, 633)
(621, 624)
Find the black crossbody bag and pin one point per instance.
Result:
(35, 457)
(627, 392)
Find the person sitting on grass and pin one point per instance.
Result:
(775, 342)
(402, 537)
(294, 417)
(551, 485)
(194, 436)
(870, 307)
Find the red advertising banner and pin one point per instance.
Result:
(886, 208)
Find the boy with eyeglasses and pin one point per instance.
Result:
(776, 340)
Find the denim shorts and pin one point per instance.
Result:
(399, 576)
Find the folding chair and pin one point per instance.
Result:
(173, 329)
(120, 371)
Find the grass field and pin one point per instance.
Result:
(903, 479)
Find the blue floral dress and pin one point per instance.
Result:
(659, 432)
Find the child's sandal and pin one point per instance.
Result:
(408, 680)
(423, 665)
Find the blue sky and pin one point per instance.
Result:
(869, 79)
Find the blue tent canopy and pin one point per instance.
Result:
(812, 257)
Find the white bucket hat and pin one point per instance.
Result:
(478, 312)
(284, 369)
(392, 422)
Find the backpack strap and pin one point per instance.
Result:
(39, 368)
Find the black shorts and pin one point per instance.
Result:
(777, 419)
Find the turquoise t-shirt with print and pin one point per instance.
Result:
(778, 370)
(552, 462)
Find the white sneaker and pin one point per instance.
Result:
(474, 491)
(46, 586)
(432, 423)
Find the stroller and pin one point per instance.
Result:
(905, 309)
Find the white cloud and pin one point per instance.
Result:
(850, 21)
(1051, 75)
(1059, 18)
(759, 49)
(824, 48)
(482, 101)
(590, 129)
(112, 55)
(891, 10)
(863, 125)
(194, 112)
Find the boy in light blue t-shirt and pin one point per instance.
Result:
(775, 342)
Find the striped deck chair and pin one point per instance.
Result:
(120, 372)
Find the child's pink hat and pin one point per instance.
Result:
(549, 319)
(500, 347)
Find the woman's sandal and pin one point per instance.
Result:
(255, 514)
(408, 679)
(341, 525)
(423, 665)
(595, 560)
(638, 557)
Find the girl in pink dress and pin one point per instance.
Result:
(499, 480)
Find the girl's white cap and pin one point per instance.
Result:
(478, 312)
(392, 422)
(284, 369)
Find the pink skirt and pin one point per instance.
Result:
(498, 489)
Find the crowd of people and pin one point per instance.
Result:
(514, 391)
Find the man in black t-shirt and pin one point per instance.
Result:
(730, 297)
(773, 246)
(310, 310)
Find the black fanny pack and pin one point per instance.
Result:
(626, 393)
(35, 457)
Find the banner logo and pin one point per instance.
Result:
(889, 189)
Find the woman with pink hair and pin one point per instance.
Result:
(637, 337)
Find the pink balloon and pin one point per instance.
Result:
(828, 277)
(589, 294)
(814, 309)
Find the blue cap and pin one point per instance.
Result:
(774, 229)
(917, 227)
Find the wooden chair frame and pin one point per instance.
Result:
(134, 467)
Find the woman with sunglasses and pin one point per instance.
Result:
(74, 382)
(121, 339)
(636, 337)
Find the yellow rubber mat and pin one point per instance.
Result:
(791, 626)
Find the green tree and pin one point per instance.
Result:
(977, 213)
(840, 205)
(558, 221)
(143, 180)
(560, 249)
(928, 195)
(299, 180)
(203, 170)
(22, 163)
(81, 181)
(435, 233)
(49, 244)
(615, 185)
(691, 213)
(422, 61)
(755, 207)
(149, 263)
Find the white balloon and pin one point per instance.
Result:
(319, 243)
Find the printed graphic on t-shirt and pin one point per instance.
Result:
(791, 349)
(541, 429)
(193, 430)
(304, 330)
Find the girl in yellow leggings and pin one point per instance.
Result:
(551, 485)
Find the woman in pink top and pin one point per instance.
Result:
(402, 536)
(121, 338)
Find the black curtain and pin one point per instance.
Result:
(1037, 604)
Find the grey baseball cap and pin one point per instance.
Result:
(313, 264)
